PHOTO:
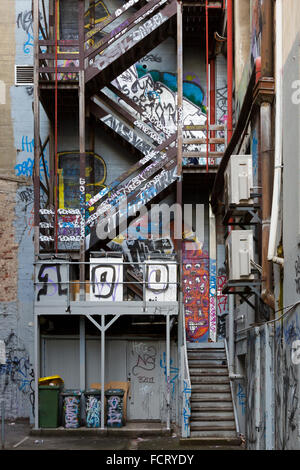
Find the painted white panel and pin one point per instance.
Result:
(159, 276)
(106, 276)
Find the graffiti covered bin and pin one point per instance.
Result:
(114, 408)
(93, 408)
(71, 408)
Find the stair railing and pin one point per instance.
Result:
(237, 426)
(186, 387)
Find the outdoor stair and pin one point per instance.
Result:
(212, 413)
(119, 51)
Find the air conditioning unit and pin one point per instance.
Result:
(239, 181)
(106, 278)
(239, 253)
(161, 278)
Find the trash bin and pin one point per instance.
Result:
(114, 408)
(93, 408)
(49, 406)
(71, 408)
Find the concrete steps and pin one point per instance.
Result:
(212, 415)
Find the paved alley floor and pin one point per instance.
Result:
(18, 437)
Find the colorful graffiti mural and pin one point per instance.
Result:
(191, 89)
(196, 294)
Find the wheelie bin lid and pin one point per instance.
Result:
(114, 391)
(93, 391)
(52, 379)
(71, 393)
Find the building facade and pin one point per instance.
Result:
(149, 232)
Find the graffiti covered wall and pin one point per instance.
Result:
(16, 306)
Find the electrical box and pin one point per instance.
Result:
(239, 253)
(106, 278)
(161, 279)
(239, 181)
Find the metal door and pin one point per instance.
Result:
(144, 373)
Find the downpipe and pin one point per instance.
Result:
(278, 161)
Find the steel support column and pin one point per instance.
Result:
(82, 349)
(168, 370)
(36, 114)
(36, 370)
(102, 369)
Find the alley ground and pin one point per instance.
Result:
(18, 437)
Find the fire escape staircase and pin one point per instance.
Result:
(211, 417)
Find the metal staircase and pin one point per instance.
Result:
(212, 410)
(117, 51)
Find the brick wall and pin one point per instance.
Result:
(8, 247)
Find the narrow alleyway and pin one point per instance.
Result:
(18, 437)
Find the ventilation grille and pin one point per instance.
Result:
(24, 75)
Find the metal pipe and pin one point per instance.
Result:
(278, 140)
(36, 109)
(267, 38)
(3, 424)
(229, 69)
(36, 371)
(212, 100)
(102, 370)
(82, 353)
(257, 390)
(266, 159)
(168, 368)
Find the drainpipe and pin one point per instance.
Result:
(278, 140)
(266, 155)
(229, 69)
(266, 152)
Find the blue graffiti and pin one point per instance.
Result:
(187, 391)
(174, 371)
(30, 43)
(242, 398)
(26, 168)
(27, 145)
(255, 152)
(291, 331)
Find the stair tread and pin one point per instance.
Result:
(209, 366)
(213, 428)
(203, 399)
(211, 418)
(211, 409)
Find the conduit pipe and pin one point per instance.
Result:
(266, 152)
(278, 141)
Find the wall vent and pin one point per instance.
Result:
(24, 75)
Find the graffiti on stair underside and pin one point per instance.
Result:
(144, 86)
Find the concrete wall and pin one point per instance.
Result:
(288, 332)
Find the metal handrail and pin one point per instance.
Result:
(186, 386)
(232, 393)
